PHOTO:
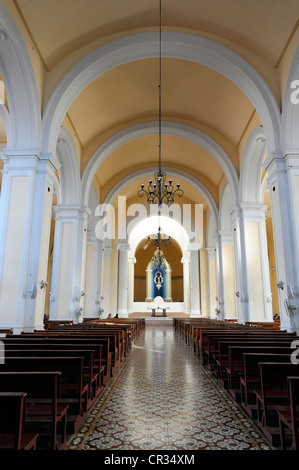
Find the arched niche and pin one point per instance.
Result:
(137, 238)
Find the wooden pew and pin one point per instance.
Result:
(289, 417)
(102, 357)
(235, 368)
(221, 356)
(115, 336)
(42, 406)
(250, 380)
(73, 392)
(12, 418)
(89, 376)
(273, 395)
(109, 340)
(212, 340)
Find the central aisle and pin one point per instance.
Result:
(163, 399)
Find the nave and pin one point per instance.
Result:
(162, 398)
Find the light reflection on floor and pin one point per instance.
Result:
(164, 399)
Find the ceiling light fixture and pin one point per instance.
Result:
(159, 191)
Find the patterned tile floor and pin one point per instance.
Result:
(163, 399)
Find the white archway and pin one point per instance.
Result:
(251, 167)
(174, 45)
(70, 178)
(290, 110)
(138, 232)
(168, 128)
(23, 121)
(176, 174)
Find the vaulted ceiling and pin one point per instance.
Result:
(61, 32)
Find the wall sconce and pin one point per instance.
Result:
(43, 284)
(280, 284)
(78, 296)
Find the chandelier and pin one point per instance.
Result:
(160, 191)
(158, 259)
(159, 239)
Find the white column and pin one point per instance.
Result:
(25, 207)
(93, 278)
(186, 279)
(228, 273)
(254, 264)
(123, 249)
(283, 177)
(220, 310)
(106, 280)
(195, 283)
(212, 281)
(168, 272)
(131, 263)
(148, 284)
(68, 272)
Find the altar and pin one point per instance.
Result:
(159, 304)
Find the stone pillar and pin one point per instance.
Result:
(123, 249)
(212, 281)
(195, 283)
(149, 297)
(283, 178)
(254, 289)
(226, 248)
(131, 262)
(25, 207)
(168, 272)
(93, 278)
(220, 311)
(106, 280)
(68, 272)
(186, 279)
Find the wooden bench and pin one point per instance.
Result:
(90, 377)
(42, 405)
(213, 339)
(289, 417)
(235, 369)
(110, 339)
(222, 353)
(102, 357)
(273, 395)
(74, 392)
(250, 380)
(12, 418)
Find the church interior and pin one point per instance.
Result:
(149, 195)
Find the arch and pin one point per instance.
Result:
(140, 229)
(251, 166)
(168, 128)
(177, 46)
(290, 109)
(176, 174)
(225, 220)
(24, 123)
(69, 171)
(211, 231)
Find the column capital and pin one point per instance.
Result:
(123, 246)
(194, 246)
(70, 211)
(211, 250)
(107, 251)
(249, 210)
